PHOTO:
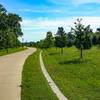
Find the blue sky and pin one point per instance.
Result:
(40, 16)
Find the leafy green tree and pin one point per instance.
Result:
(3, 27)
(10, 29)
(70, 39)
(82, 40)
(98, 40)
(98, 30)
(60, 38)
(40, 44)
(2, 40)
(49, 39)
(94, 40)
(14, 24)
(69, 43)
(70, 36)
(47, 42)
(3, 18)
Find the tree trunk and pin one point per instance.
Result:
(7, 44)
(16, 42)
(22, 45)
(81, 53)
(7, 50)
(56, 48)
(61, 50)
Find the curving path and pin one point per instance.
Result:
(10, 74)
(53, 86)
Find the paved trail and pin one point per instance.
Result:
(10, 74)
(53, 86)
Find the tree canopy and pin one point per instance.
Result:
(81, 33)
(10, 29)
(60, 38)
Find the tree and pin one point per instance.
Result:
(69, 43)
(3, 27)
(98, 40)
(82, 40)
(49, 39)
(10, 29)
(70, 39)
(40, 44)
(3, 18)
(14, 24)
(2, 40)
(60, 38)
(98, 30)
(94, 40)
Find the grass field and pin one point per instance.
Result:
(11, 50)
(34, 85)
(78, 80)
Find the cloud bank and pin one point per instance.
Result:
(47, 24)
(35, 29)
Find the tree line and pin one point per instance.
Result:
(82, 37)
(10, 29)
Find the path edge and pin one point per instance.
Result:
(51, 83)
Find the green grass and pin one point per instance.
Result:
(78, 80)
(11, 50)
(34, 85)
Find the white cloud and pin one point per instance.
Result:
(75, 2)
(78, 2)
(41, 10)
(46, 24)
(37, 28)
(43, 24)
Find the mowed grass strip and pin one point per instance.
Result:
(78, 80)
(11, 50)
(34, 85)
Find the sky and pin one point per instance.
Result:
(41, 16)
